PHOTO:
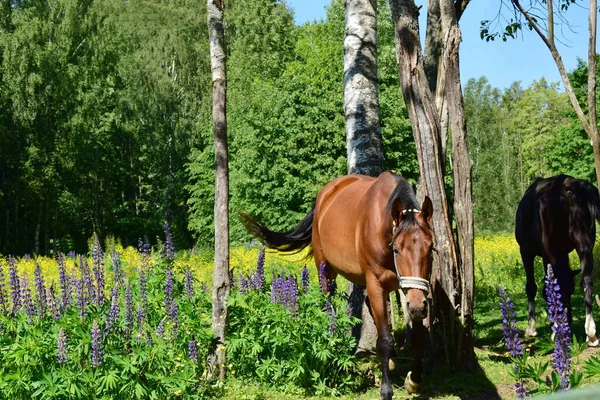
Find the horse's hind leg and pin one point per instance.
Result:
(587, 263)
(530, 289)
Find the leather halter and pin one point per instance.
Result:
(408, 282)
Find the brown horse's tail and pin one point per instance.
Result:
(291, 241)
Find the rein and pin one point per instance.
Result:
(409, 282)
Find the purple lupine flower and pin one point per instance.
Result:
(15, 287)
(63, 280)
(509, 319)
(40, 291)
(284, 290)
(52, 303)
(169, 248)
(116, 266)
(63, 347)
(114, 311)
(168, 289)
(128, 309)
(174, 315)
(330, 310)
(291, 294)
(140, 316)
(275, 289)
(3, 295)
(72, 254)
(97, 347)
(26, 296)
(98, 262)
(87, 281)
(557, 313)
(244, 284)
(305, 279)
(511, 338)
(322, 276)
(81, 296)
(259, 277)
(160, 329)
(189, 283)
(144, 289)
(193, 350)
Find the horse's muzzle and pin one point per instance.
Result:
(417, 311)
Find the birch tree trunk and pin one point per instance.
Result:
(221, 283)
(361, 93)
(363, 132)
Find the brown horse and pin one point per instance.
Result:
(372, 232)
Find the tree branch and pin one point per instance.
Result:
(593, 24)
(550, 21)
(459, 8)
(561, 68)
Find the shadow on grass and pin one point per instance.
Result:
(441, 381)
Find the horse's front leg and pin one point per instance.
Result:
(587, 263)
(385, 343)
(415, 375)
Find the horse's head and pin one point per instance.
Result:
(412, 243)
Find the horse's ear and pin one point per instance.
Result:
(396, 210)
(427, 208)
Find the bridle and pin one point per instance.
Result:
(408, 282)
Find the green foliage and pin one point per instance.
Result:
(99, 113)
(285, 349)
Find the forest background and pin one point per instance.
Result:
(105, 122)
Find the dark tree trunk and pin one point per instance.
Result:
(452, 282)
(221, 283)
(463, 200)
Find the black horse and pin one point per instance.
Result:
(556, 216)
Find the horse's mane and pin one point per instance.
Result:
(406, 195)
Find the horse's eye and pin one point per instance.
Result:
(396, 251)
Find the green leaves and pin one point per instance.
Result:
(282, 349)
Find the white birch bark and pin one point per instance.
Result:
(221, 283)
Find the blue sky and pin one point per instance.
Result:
(523, 59)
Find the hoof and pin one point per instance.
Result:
(593, 341)
(530, 332)
(410, 386)
(392, 364)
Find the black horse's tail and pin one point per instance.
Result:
(592, 197)
(595, 203)
(292, 241)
